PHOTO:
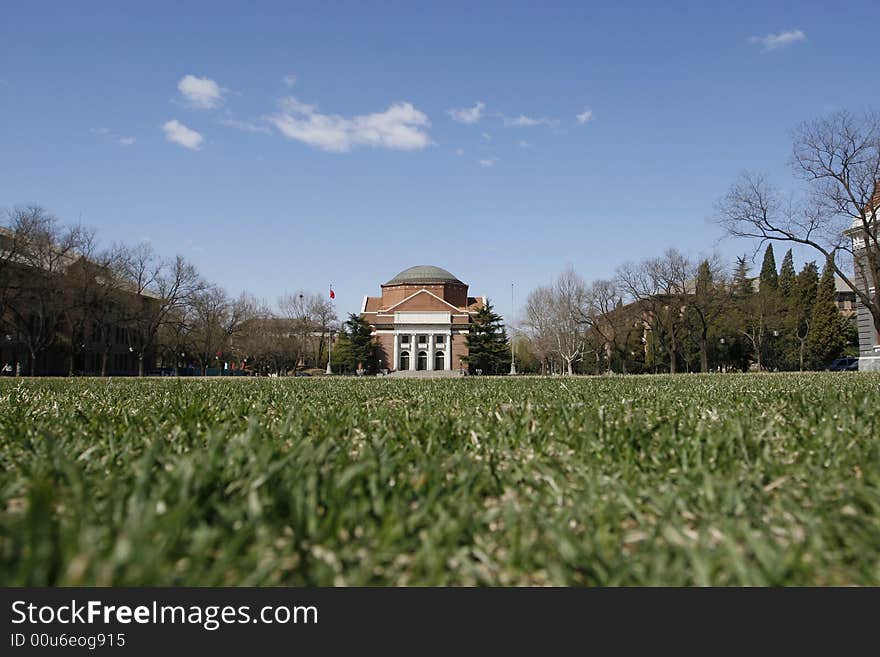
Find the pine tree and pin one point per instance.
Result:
(788, 342)
(488, 349)
(362, 349)
(742, 284)
(826, 339)
(804, 300)
(769, 277)
(787, 275)
(341, 356)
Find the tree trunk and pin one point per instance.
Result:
(104, 357)
(704, 355)
(673, 352)
(32, 366)
(140, 364)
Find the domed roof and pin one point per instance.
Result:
(423, 274)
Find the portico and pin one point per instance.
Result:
(423, 347)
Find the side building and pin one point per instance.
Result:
(869, 335)
(421, 320)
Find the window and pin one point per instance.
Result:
(404, 361)
(423, 339)
(439, 339)
(422, 362)
(438, 360)
(404, 339)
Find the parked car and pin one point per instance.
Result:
(845, 364)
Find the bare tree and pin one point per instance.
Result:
(42, 251)
(570, 292)
(210, 307)
(603, 313)
(554, 318)
(160, 290)
(107, 308)
(659, 287)
(82, 287)
(538, 323)
(839, 158)
(310, 316)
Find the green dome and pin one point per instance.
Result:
(423, 274)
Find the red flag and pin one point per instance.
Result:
(332, 293)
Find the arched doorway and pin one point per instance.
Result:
(438, 360)
(404, 360)
(422, 362)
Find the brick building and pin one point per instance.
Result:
(421, 320)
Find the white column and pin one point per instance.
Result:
(430, 351)
(396, 363)
(413, 351)
(448, 361)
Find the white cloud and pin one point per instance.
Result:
(468, 114)
(289, 80)
(178, 133)
(459, 151)
(585, 116)
(781, 40)
(246, 126)
(400, 127)
(523, 121)
(524, 144)
(487, 136)
(115, 136)
(200, 93)
(489, 162)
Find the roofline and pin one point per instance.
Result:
(419, 292)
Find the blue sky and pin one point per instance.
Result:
(283, 146)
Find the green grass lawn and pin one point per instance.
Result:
(724, 479)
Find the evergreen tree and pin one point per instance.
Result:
(803, 302)
(488, 349)
(826, 339)
(806, 288)
(789, 316)
(341, 357)
(737, 347)
(362, 349)
(742, 284)
(787, 276)
(769, 277)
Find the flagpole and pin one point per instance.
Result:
(512, 336)
(329, 341)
